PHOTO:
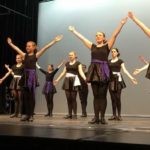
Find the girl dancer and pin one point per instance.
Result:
(98, 72)
(49, 89)
(28, 80)
(145, 29)
(16, 71)
(117, 83)
(71, 83)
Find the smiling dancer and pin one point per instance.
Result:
(98, 72)
(29, 79)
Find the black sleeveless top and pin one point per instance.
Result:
(72, 68)
(30, 61)
(115, 66)
(100, 53)
(17, 70)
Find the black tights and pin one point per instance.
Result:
(71, 100)
(83, 95)
(116, 102)
(49, 100)
(28, 102)
(100, 99)
(18, 101)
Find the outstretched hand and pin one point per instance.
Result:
(71, 28)
(58, 38)
(136, 71)
(55, 82)
(124, 20)
(134, 81)
(130, 14)
(6, 66)
(9, 40)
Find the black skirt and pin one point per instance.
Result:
(68, 84)
(94, 74)
(50, 90)
(14, 85)
(115, 85)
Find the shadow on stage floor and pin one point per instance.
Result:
(58, 133)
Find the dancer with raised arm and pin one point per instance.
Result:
(16, 71)
(98, 73)
(49, 89)
(29, 80)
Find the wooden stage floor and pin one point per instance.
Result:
(56, 132)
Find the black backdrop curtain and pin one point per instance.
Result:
(18, 20)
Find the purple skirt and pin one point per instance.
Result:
(48, 88)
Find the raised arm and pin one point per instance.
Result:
(112, 40)
(128, 74)
(39, 67)
(86, 42)
(5, 76)
(55, 40)
(139, 23)
(17, 49)
(60, 76)
(137, 71)
(9, 70)
(81, 72)
(61, 64)
(142, 59)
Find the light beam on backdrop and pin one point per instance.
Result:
(77, 4)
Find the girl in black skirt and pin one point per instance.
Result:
(117, 83)
(29, 79)
(49, 89)
(71, 83)
(98, 72)
(16, 71)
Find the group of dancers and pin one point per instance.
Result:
(102, 74)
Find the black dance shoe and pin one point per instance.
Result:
(26, 118)
(112, 118)
(103, 121)
(13, 115)
(47, 115)
(83, 115)
(119, 118)
(68, 117)
(94, 121)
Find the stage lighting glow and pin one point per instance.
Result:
(74, 4)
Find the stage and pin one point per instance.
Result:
(56, 133)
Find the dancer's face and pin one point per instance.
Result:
(100, 37)
(50, 68)
(114, 53)
(18, 59)
(30, 47)
(72, 56)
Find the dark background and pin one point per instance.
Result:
(18, 20)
